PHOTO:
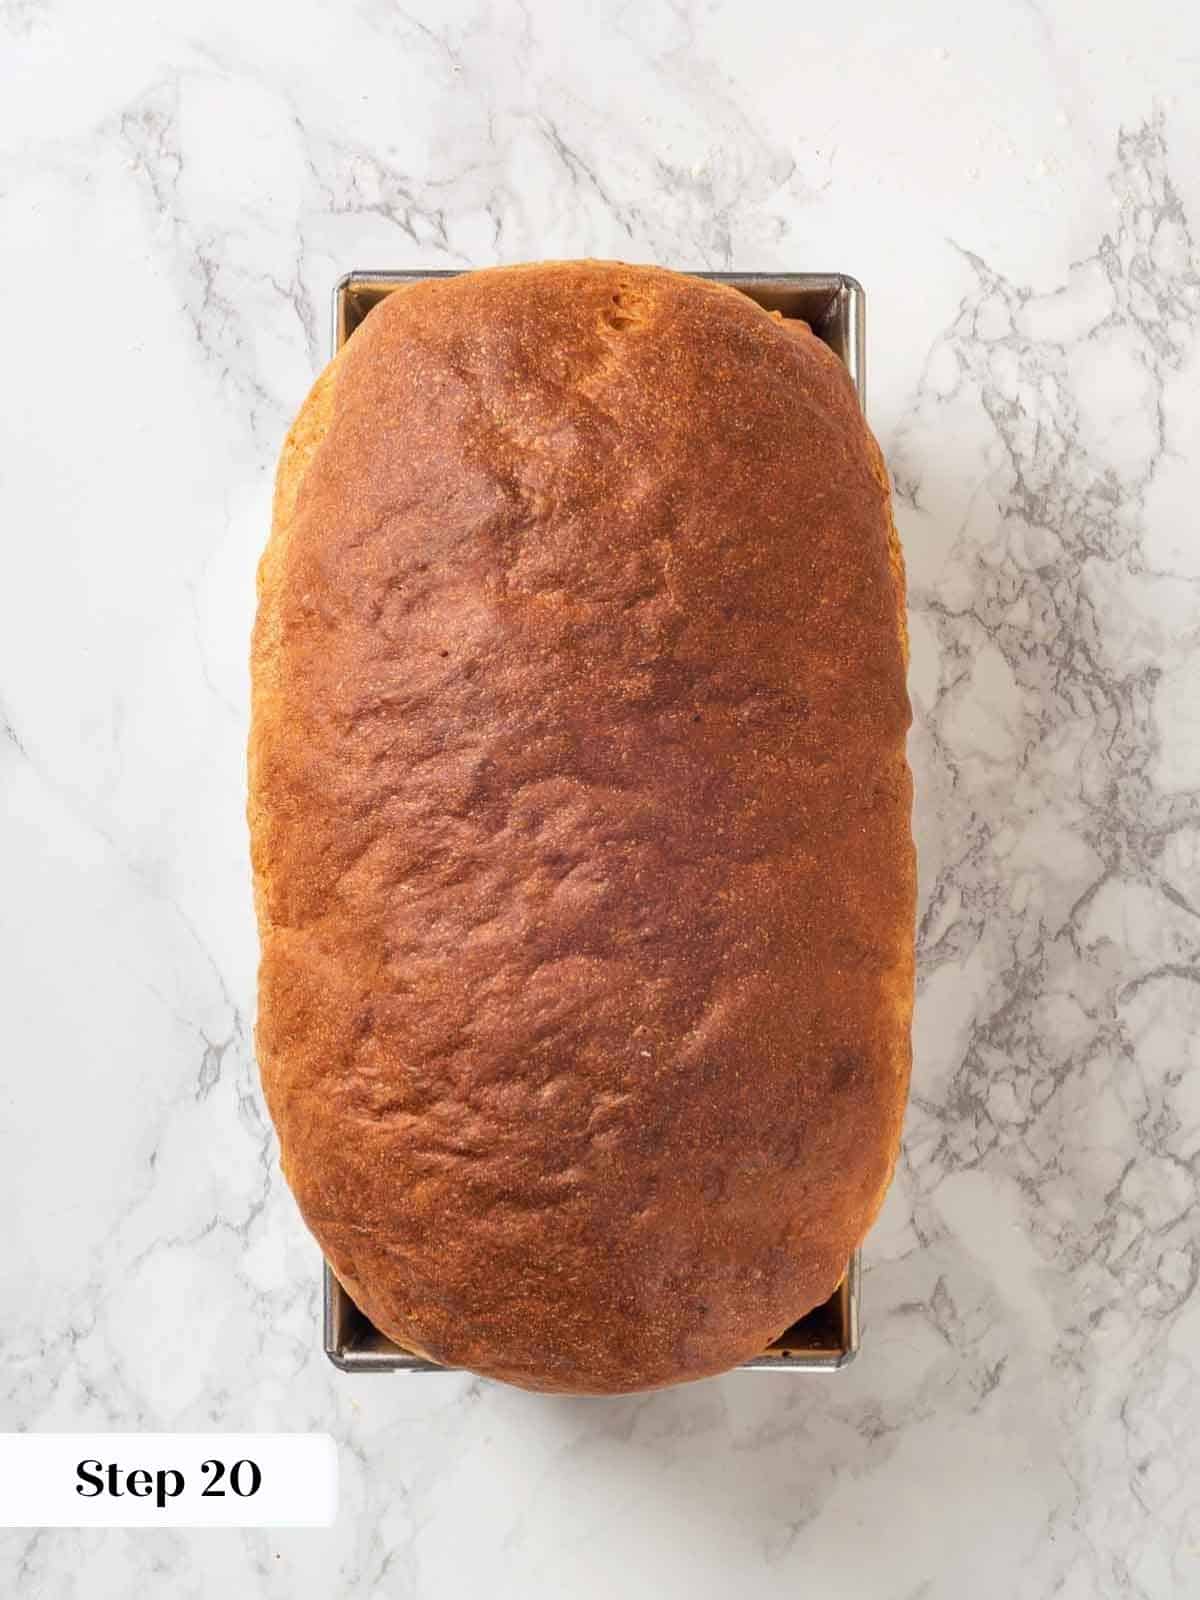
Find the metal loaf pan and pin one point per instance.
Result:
(826, 1340)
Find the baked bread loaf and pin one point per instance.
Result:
(580, 823)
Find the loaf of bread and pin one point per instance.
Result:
(580, 823)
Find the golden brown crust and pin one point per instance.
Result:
(580, 823)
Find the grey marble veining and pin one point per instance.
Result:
(1018, 186)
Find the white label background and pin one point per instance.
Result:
(38, 1480)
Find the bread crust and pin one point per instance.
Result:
(580, 823)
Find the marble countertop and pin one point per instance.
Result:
(1018, 187)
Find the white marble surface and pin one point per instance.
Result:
(1018, 186)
